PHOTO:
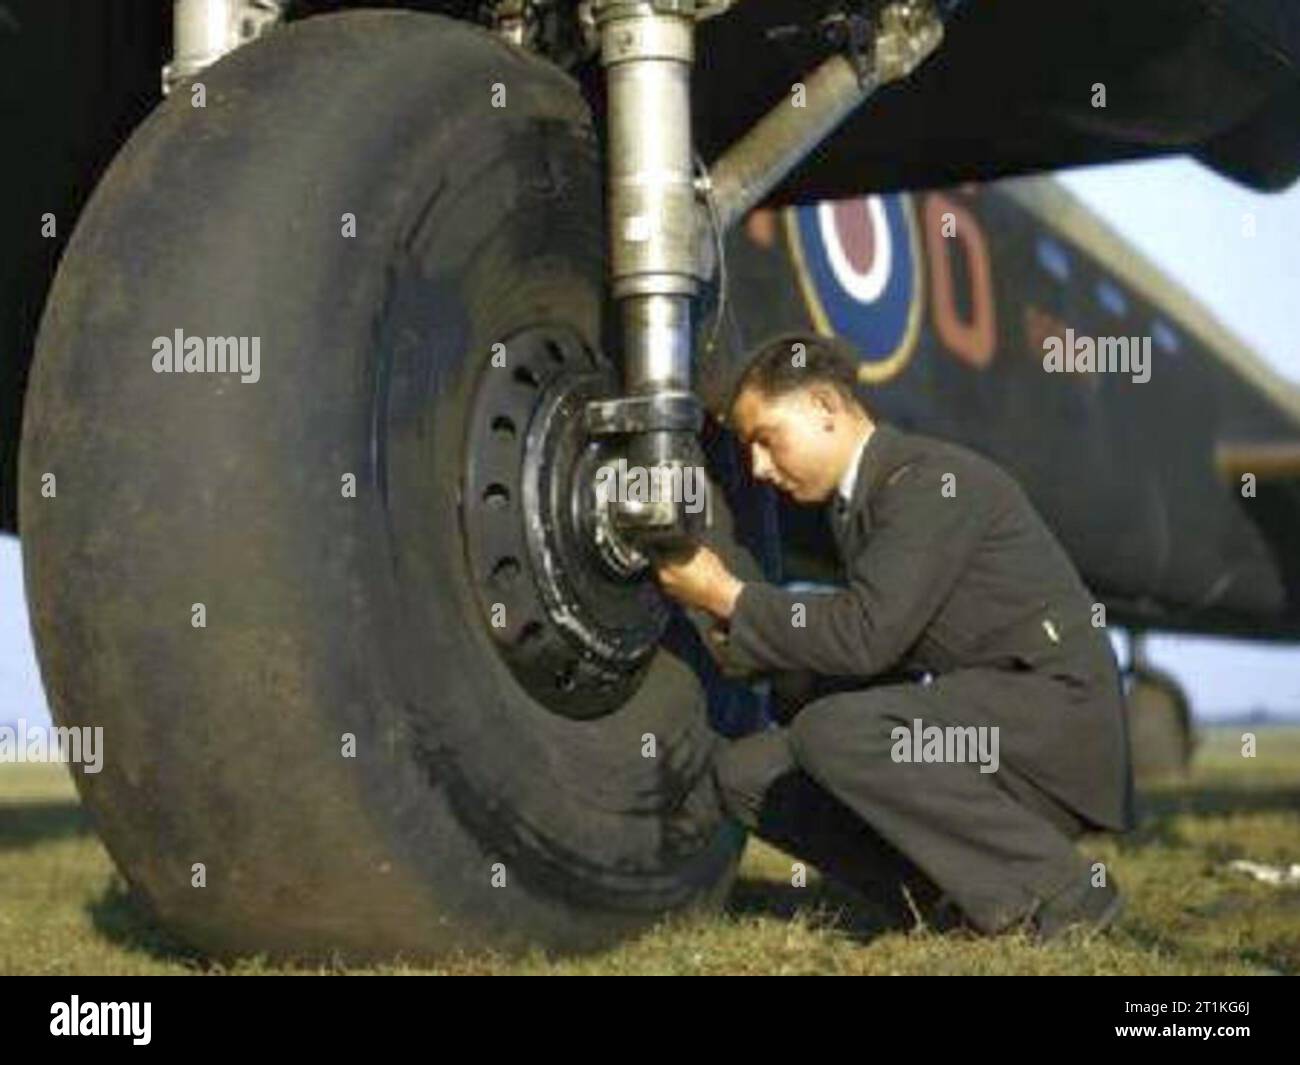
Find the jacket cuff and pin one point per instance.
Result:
(751, 623)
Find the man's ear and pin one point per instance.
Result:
(825, 400)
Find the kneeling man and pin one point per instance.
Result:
(975, 726)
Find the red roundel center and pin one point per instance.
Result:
(856, 233)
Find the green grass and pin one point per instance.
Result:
(63, 908)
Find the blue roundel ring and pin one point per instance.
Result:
(858, 262)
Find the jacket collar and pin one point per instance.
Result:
(875, 461)
(877, 458)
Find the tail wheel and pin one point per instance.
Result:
(1160, 725)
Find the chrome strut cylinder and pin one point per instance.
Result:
(647, 50)
(205, 30)
(661, 237)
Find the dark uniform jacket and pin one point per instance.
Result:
(950, 571)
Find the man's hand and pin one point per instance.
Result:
(701, 580)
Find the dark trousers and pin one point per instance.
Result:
(826, 790)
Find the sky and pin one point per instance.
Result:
(1237, 251)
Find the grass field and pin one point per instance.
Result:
(63, 908)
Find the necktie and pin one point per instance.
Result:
(839, 519)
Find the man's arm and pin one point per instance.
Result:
(918, 546)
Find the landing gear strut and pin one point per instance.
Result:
(663, 222)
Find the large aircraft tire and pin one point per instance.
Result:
(279, 597)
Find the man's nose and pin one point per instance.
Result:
(761, 466)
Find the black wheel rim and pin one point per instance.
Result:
(575, 628)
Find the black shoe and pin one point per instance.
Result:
(1080, 905)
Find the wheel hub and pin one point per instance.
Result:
(569, 605)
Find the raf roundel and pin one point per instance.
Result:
(858, 264)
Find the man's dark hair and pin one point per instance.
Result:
(796, 360)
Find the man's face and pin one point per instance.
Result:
(800, 442)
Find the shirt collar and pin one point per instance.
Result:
(849, 480)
